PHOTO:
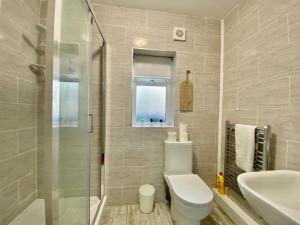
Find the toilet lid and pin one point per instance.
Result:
(191, 189)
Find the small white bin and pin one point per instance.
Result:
(146, 193)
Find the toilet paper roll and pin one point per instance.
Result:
(183, 128)
(184, 136)
(171, 136)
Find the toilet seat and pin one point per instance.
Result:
(191, 190)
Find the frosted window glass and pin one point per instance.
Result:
(151, 103)
(65, 104)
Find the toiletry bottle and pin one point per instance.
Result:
(220, 183)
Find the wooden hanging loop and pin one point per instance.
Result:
(186, 94)
(187, 75)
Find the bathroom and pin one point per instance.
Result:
(92, 93)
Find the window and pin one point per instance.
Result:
(150, 104)
(153, 89)
(65, 104)
(153, 102)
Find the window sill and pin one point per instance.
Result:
(153, 125)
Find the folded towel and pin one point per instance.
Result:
(244, 146)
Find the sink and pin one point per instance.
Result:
(274, 195)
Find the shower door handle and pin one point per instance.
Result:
(91, 123)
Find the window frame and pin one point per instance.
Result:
(170, 100)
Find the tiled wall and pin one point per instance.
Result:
(262, 73)
(18, 106)
(135, 155)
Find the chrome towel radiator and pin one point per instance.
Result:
(261, 156)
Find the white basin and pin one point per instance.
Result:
(274, 195)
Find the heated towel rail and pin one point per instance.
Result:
(262, 146)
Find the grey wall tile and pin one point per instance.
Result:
(295, 89)
(27, 186)
(9, 144)
(294, 24)
(8, 89)
(293, 156)
(232, 19)
(273, 93)
(164, 21)
(213, 27)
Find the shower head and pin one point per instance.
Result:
(41, 28)
(37, 69)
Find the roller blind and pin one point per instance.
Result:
(152, 66)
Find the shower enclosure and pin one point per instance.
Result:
(70, 116)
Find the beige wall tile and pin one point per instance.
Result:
(26, 92)
(34, 6)
(22, 14)
(8, 89)
(195, 25)
(145, 38)
(11, 33)
(9, 144)
(213, 27)
(293, 156)
(100, 12)
(8, 116)
(114, 196)
(125, 16)
(273, 93)
(9, 199)
(208, 174)
(231, 59)
(27, 139)
(164, 21)
(294, 24)
(115, 176)
(114, 35)
(271, 9)
(18, 21)
(274, 36)
(16, 168)
(278, 153)
(285, 122)
(280, 61)
(212, 63)
(27, 186)
(246, 28)
(135, 157)
(130, 195)
(232, 19)
(295, 89)
(193, 61)
(153, 175)
(206, 154)
(114, 156)
(27, 115)
(132, 176)
(209, 44)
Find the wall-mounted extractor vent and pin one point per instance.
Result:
(179, 34)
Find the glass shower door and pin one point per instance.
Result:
(70, 113)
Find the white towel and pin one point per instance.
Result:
(244, 146)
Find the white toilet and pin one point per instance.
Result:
(191, 198)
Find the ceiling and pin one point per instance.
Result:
(206, 8)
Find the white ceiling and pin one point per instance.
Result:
(206, 8)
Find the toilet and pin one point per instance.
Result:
(191, 198)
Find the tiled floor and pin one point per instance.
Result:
(131, 215)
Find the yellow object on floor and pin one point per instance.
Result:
(220, 183)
